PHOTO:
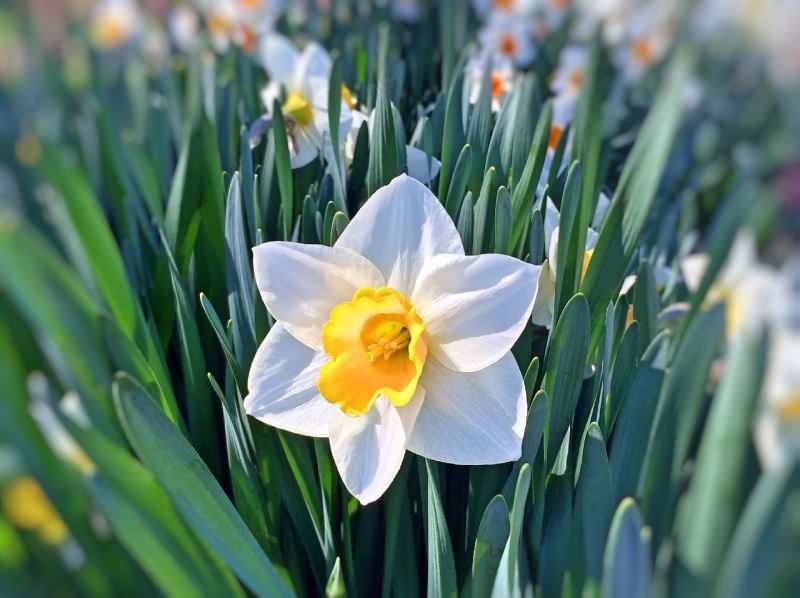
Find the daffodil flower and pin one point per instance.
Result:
(501, 78)
(419, 164)
(743, 284)
(646, 37)
(393, 340)
(549, 16)
(183, 26)
(517, 8)
(114, 23)
(570, 72)
(303, 76)
(509, 36)
(777, 430)
(564, 107)
(544, 302)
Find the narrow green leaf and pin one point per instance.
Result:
(627, 570)
(441, 564)
(192, 488)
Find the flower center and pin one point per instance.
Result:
(503, 4)
(498, 84)
(110, 30)
(576, 79)
(508, 45)
(298, 108)
(555, 137)
(789, 408)
(348, 97)
(377, 347)
(642, 51)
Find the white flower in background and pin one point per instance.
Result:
(221, 19)
(646, 37)
(114, 23)
(407, 11)
(745, 285)
(777, 431)
(510, 36)
(184, 25)
(420, 165)
(564, 107)
(549, 16)
(501, 78)
(517, 8)
(393, 340)
(570, 72)
(613, 14)
(544, 303)
(303, 78)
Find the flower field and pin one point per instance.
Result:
(400, 298)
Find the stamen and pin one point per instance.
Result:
(393, 338)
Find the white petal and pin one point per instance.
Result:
(399, 228)
(422, 167)
(270, 93)
(474, 307)
(278, 56)
(282, 386)
(551, 220)
(471, 419)
(544, 302)
(693, 267)
(304, 146)
(300, 284)
(368, 449)
(603, 203)
(313, 62)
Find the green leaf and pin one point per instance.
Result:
(335, 587)
(334, 112)
(508, 582)
(763, 543)
(709, 511)
(459, 182)
(384, 161)
(284, 169)
(643, 168)
(453, 138)
(679, 409)
(192, 488)
(490, 543)
(565, 362)
(146, 523)
(632, 429)
(502, 222)
(522, 194)
(466, 220)
(441, 564)
(594, 499)
(95, 236)
(626, 565)
(484, 208)
(201, 412)
(622, 371)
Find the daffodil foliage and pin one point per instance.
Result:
(399, 298)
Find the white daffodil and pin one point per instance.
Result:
(517, 8)
(183, 28)
(570, 72)
(303, 77)
(114, 23)
(419, 165)
(501, 77)
(509, 36)
(646, 37)
(406, 11)
(544, 302)
(777, 431)
(549, 16)
(221, 19)
(744, 285)
(393, 340)
(564, 107)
